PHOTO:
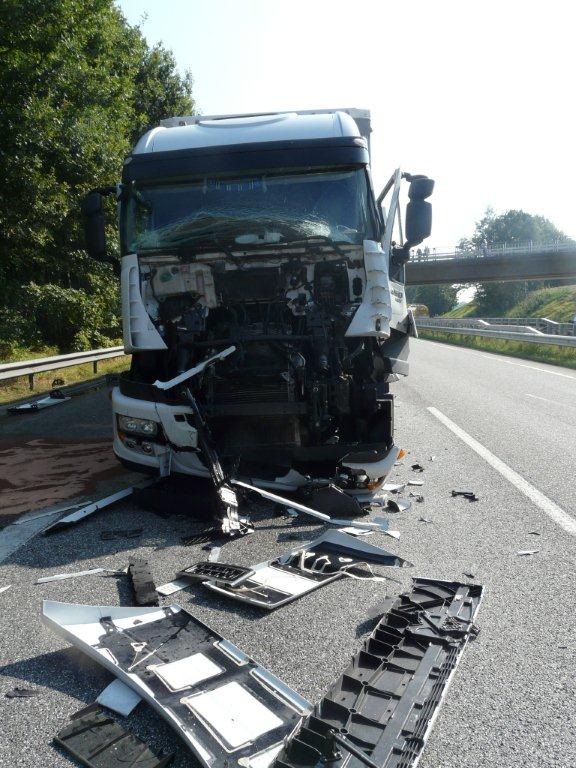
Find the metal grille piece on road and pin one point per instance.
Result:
(227, 708)
(331, 556)
(380, 710)
(223, 573)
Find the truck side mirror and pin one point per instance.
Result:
(94, 226)
(418, 211)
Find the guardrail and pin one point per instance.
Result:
(541, 324)
(488, 332)
(31, 367)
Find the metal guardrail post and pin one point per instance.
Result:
(31, 381)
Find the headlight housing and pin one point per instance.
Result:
(133, 426)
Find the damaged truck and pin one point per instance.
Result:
(259, 266)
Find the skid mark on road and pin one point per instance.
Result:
(554, 512)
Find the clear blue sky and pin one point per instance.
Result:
(478, 95)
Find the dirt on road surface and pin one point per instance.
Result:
(39, 472)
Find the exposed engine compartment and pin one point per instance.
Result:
(296, 389)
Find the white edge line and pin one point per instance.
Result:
(554, 512)
(553, 402)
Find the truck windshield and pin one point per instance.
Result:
(251, 210)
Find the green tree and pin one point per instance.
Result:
(159, 91)
(438, 298)
(511, 227)
(77, 83)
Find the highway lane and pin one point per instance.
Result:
(511, 702)
(524, 412)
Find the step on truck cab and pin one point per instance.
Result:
(261, 236)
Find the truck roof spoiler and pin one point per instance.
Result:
(360, 116)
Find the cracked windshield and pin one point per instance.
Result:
(252, 210)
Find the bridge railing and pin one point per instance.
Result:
(487, 251)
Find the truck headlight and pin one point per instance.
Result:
(133, 426)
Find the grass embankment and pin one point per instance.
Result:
(557, 304)
(16, 389)
(565, 356)
(464, 310)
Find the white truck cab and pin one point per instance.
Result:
(261, 235)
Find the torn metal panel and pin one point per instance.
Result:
(376, 525)
(90, 509)
(97, 741)
(381, 709)
(171, 587)
(54, 398)
(76, 574)
(394, 487)
(220, 688)
(399, 505)
(197, 369)
(49, 513)
(329, 557)
(214, 554)
(119, 697)
(373, 316)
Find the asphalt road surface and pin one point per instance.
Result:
(502, 427)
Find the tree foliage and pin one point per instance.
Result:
(511, 227)
(438, 298)
(78, 84)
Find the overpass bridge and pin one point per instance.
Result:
(520, 261)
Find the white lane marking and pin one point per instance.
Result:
(500, 359)
(554, 402)
(534, 368)
(15, 535)
(554, 512)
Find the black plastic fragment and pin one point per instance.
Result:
(417, 467)
(21, 693)
(98, 741)
(329, 499)
(223, 573)
(142, 582)
(470, 495)
(57, 394)
(209, 534)
(382, 706)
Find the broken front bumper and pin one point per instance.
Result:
(226, 707)
(380, 711)
(175, 448)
